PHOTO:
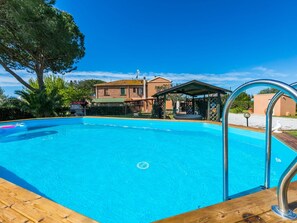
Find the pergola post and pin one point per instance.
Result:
(158, 107)
(164, 107)
(193, 105)
(208, 106)
(194, 88)
(219, 104)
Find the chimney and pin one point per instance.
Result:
(144, 88)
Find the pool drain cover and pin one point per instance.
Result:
(143, 165)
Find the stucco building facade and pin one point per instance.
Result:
(136, 93)
(285, 106)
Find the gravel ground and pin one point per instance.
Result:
(258, 121)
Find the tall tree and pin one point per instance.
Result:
(243, 97)
(2, 96)
(1, 93)
(88, 85)
(57, 96)
(39, 38)
(52, 102)
(268, 91)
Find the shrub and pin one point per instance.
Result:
(236, 110)
(13, 114)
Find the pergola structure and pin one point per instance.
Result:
(209, 105)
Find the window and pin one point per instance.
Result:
(134, 90)
(106, 92)
(140, 91)
(123, 91)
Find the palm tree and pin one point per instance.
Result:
(2, 96)
(41, 103)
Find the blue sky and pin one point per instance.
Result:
(225, 43)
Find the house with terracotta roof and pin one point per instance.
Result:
(135, 93)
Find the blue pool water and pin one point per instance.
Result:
(133, 171)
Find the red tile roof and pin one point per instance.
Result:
(122, 83)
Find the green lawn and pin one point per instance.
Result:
(288, 116)
(293, 133)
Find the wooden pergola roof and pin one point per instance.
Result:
(193, 88)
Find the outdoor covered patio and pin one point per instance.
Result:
(201, 101)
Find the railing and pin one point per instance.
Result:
(268, 132)
(282, 209)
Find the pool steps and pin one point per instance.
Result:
(253, 208)
(246, 192)
(282, 209)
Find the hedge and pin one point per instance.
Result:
(13, 113)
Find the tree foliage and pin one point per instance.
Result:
(87, 85)
(37, 37)
(8, 102)
(3, 97)
(241, 103)
(66, 91)
(10, 108)
(69, 91)
(268, 91)
(243, 97)
(173, 97)
(41, 103)
(56, 98)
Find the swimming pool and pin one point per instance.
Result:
(122, 170)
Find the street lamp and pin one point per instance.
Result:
(247, 116)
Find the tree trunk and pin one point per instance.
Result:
(39, 68)
(40, 80)
(21, 80)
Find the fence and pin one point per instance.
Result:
(12, 114)
(110, 110)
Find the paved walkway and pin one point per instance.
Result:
(258, 121)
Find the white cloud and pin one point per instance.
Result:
(228, 80)
(176, 77)
(8, 81)
(269, 72)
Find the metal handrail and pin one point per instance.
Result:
(268, 132)
(282, 209)
(263, 82)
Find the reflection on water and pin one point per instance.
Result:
(26, 135)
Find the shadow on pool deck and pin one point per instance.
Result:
(10, 176)
(26, 135)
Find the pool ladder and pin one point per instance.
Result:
(282, 209)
